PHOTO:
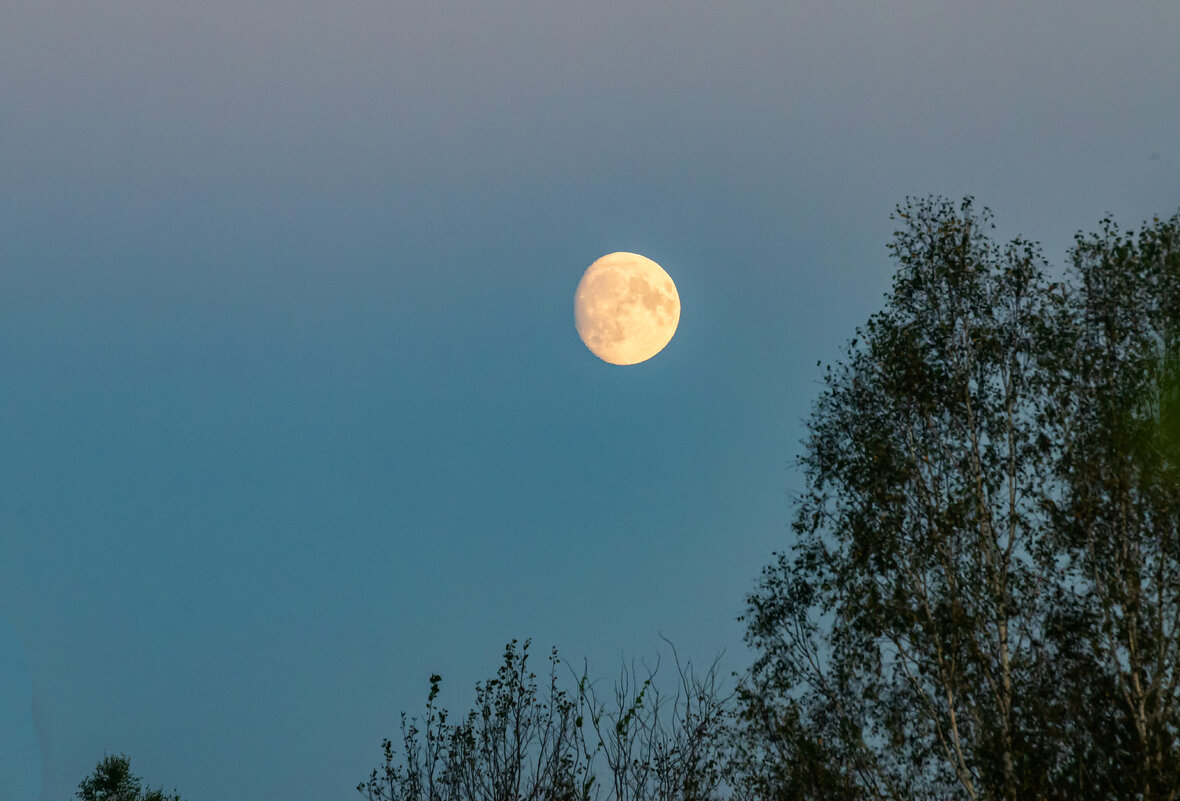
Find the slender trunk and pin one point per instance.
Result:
(1006, 711)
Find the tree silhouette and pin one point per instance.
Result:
(112, 780)
(983, 597)
(523, 741)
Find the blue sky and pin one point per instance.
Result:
(293, 411)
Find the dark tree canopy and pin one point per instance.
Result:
(112, 780)
(524, 741)
(983, 598)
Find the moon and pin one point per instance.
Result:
(626, 308)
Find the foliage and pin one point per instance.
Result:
(983, 597)
(520, 741)
(112, 780)
(1117, 523)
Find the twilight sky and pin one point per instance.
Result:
(292, 408)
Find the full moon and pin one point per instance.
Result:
(626, 308)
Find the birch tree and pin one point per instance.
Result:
(981, 601)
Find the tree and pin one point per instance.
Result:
(112, 780)
(981, 601)
(522, 741)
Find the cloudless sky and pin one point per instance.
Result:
(292, 408)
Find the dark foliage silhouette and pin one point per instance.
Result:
(983, 598)
(524, 740)
(112, 780)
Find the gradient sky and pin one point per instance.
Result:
(292, 408)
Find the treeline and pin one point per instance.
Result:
(528, 737)
(981, 599)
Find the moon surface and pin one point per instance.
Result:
(626, 308)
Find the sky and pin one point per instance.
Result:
(293, 412)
